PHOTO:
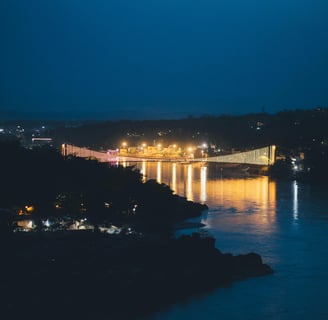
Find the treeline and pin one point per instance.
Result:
(299, 129)
(56, 185)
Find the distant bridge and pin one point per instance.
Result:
(263, 156)
(82, 152)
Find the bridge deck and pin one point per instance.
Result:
(261, 156)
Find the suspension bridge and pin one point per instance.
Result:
(264, 156)
(261, 156)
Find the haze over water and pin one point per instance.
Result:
(285, 222)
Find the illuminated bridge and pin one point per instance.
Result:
(263, 156)
(82, 152)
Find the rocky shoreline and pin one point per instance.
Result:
(87, 275)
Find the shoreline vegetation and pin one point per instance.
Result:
(88, 274)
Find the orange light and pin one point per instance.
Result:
(29, 209)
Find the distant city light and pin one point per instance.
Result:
(41, 139)
(29, 208)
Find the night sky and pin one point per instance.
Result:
(146, 59)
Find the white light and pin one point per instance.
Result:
(295, 200)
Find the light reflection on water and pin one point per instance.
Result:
(200, 183)
(295, 200)
(285, 222)
(252, 200)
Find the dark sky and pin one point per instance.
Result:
(161, 58)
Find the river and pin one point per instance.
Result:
(285, 222)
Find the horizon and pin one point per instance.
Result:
(102, 116)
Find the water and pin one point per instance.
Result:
(285, 222)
